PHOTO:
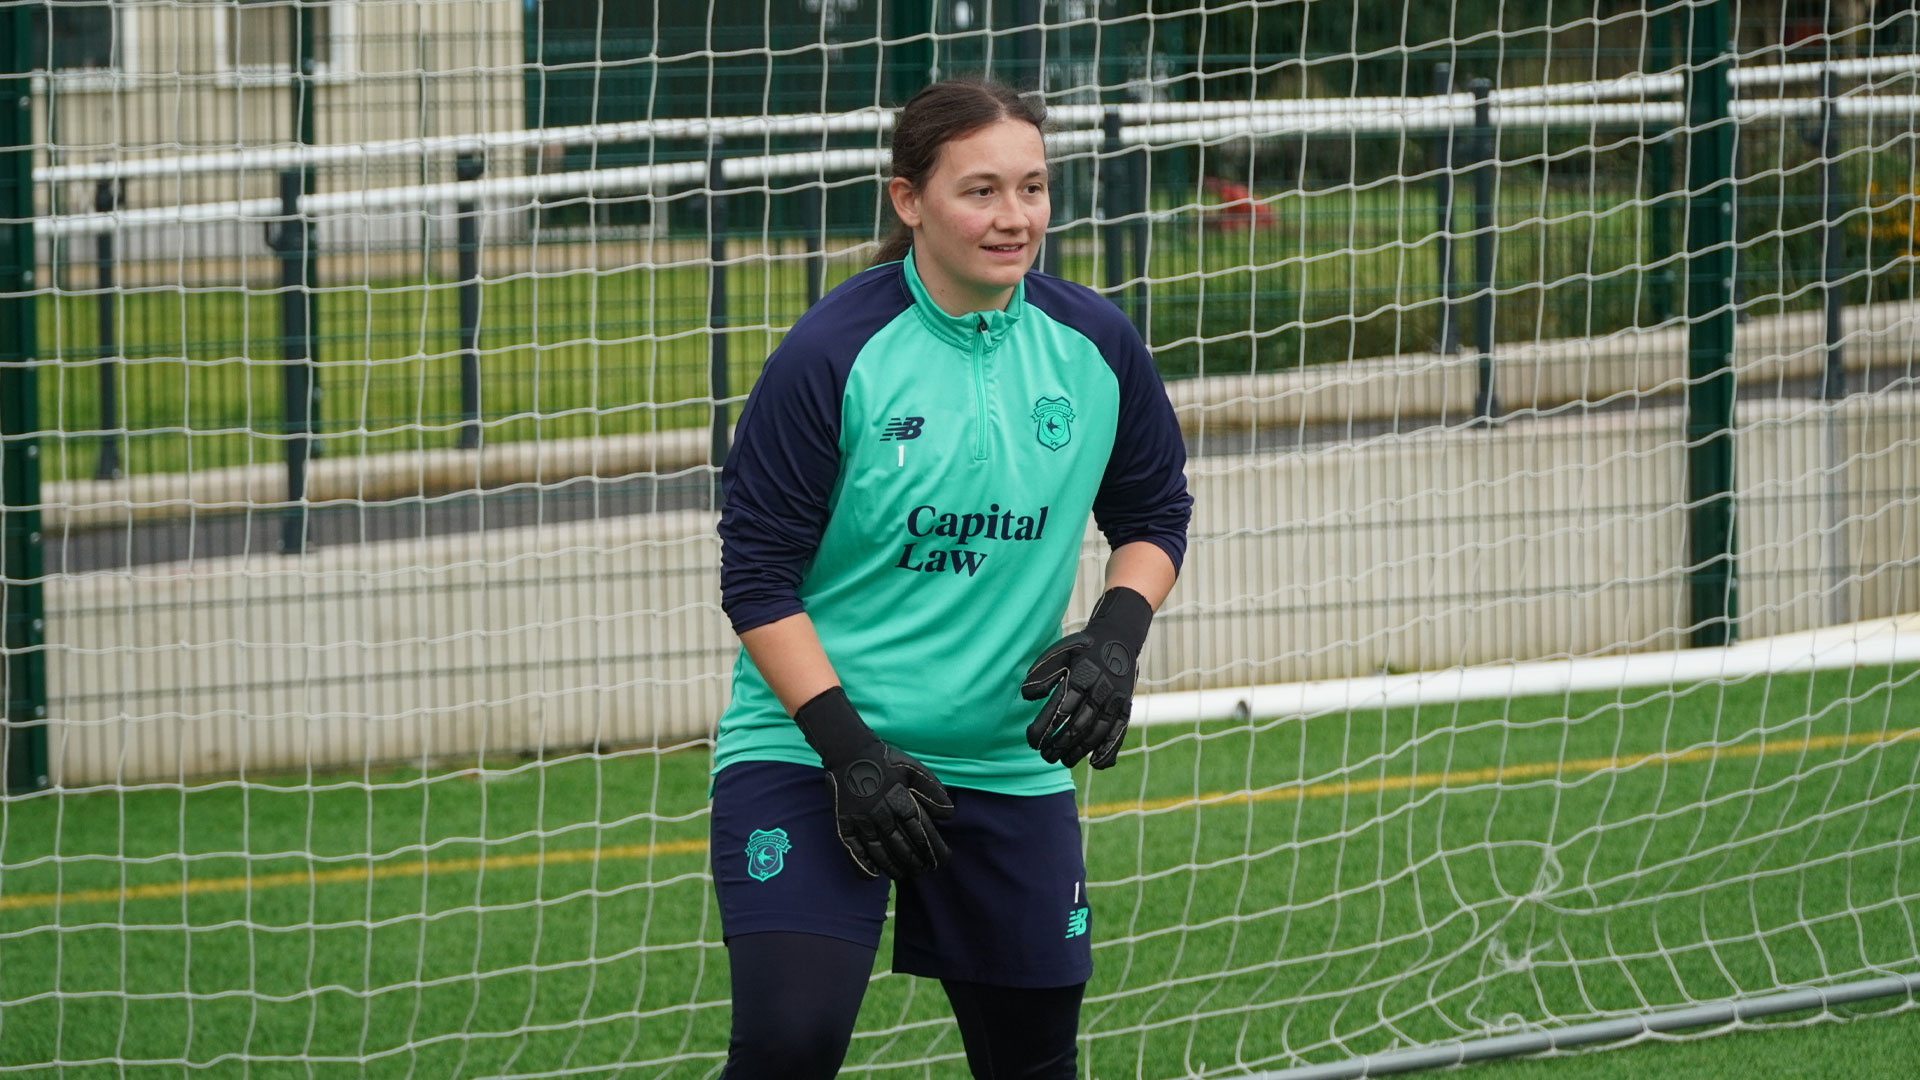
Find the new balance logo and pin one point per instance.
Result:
(1076, 922)
(902, 428)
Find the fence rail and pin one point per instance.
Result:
(881, 120)
(1406, 119)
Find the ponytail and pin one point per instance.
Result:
(895, 246)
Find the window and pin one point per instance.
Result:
(72, 37)
(258, 35)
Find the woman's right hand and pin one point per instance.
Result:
(885, 802)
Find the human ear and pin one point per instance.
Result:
(906, 201)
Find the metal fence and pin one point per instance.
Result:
(1234, 255)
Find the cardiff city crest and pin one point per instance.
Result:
(767, 853)
(1051, 415)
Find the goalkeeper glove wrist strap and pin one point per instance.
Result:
(832, 726)
(1122, 615)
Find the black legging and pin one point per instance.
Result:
(795, 998)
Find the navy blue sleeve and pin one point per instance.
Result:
(780, 473)
(1143, 494)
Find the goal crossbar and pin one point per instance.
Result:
(1877, 643)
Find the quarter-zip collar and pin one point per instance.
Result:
(965, 331)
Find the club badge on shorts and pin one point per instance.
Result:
(767, 853)
(1051, 415)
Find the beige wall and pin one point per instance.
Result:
(408, 69)
(1541, 538)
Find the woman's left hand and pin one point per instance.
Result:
(1087, 679)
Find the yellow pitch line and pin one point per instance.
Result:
(164, 890)
(345, 875)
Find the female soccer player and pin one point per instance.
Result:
(904, 509)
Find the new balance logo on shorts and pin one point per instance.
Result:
(1076, 922)
(902, 428)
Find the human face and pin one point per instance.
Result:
(979, 218)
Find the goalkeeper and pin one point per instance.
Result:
(904, 511)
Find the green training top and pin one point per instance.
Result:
(919, 484)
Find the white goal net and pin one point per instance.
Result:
(1544, 667)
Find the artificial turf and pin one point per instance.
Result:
(1265, 893)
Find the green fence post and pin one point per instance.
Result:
(909, 58)
(1113, 201)
(1446, 154)
(1029, 45)
(106, 199)
(292, 238)
(1660, 228)
(23, 679)
(1712, 580)
(468, 168)
(1486, 225)
(1139, 204)
(1833, 384)
(304, 70)
(813, 202)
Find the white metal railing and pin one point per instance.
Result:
(1594, 91)
(1147, 124)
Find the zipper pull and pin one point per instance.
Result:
(983, 323)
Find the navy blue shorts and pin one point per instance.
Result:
(1009, 909)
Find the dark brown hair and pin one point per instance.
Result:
(941, 113)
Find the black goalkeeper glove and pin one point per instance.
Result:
(1087, 679)
(884, 802)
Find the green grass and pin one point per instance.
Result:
(1399, 896)
(1339, 274)
(574, 354)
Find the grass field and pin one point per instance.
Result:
(1338, 274)
(1264, 893)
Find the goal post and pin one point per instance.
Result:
(1544, 671)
